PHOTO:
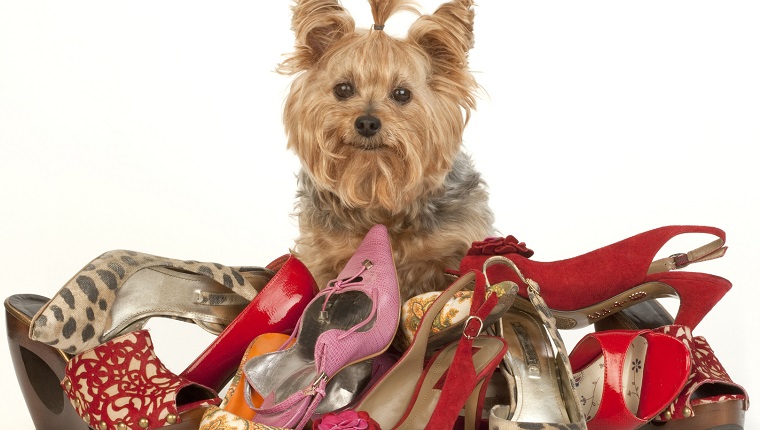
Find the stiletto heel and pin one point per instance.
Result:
(474, 405)
(39, 368)
(614, 277)
(698, 293)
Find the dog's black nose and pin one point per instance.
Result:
(367, 125)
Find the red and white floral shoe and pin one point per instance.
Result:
(122, 384)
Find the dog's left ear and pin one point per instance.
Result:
(447, 37)
(317, 25)
(447, 34)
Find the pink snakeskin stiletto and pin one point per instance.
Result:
(354, 318)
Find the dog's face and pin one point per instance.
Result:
(374, 119)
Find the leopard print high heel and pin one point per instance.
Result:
(120, 290)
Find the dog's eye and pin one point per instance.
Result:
(401, 95)
(343, 91)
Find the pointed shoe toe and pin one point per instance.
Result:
(118, 291)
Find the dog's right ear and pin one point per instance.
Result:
(317, 24)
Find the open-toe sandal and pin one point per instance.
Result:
(710, 399)
(416, 394)
(352, 319)
(625, 378)
(41, 366)
(539, 386)
(614, 277)
(121, 384)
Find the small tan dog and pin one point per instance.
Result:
(377, 123)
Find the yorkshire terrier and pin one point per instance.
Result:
(377, 123)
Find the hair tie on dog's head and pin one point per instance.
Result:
(378, 26)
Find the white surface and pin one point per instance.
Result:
(155, 126)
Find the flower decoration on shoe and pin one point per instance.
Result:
(345, 420)
(500, 246)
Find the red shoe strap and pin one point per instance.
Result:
(461, 376)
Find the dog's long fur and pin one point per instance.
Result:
(411, 174)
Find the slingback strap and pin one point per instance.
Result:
(710, 251)
(550, 324)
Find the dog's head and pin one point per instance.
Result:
(378, 120)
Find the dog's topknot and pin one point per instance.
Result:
(383, 9)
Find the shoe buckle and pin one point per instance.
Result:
(680, 260)
(322, 377)
(467, 321)
(533, 286)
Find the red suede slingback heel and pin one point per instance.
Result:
(614, 277)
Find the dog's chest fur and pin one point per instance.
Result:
(430, 235)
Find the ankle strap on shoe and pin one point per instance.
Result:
(711, 251)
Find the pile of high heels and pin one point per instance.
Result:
(484, 353)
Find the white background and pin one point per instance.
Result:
(155, 126)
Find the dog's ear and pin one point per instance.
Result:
(447, 37)
(447, 34)
(317, 24)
